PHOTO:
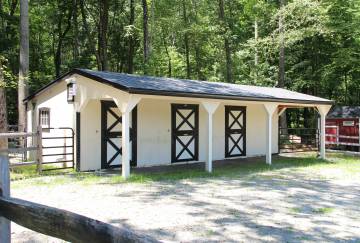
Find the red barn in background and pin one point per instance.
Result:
(342, 127)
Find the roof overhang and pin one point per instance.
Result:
(172, 93)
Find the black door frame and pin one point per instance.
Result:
(105, 106)
(175, 132)
(229, 131)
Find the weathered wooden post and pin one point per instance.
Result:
(4, 192)
(359, 134)
(39, 150)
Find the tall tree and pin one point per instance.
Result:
(89, 42)
(131, 38)
(256, 37)
(75, 30)
(186, 40)
(62, 8)
(281, 77)
(146, 37)
(3, 109)
(199, 73)
(102, 34)
(24, 63)
(225, 28)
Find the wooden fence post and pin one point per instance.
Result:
(39, 151)
(359, 133)
(4, 192)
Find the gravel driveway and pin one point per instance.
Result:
(271, 206)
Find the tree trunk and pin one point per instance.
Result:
(3, 109)
(281, 77)
(90, 44)
(75, 31)
(200, 76)
(57, 59)
(168, 55)
(131, 39)
(256, 33)
(61, 38)
(226, 42)
(186, 41)
(146, 34)
(102, 34)
(256, 55)
(24, 63)
(152, 26)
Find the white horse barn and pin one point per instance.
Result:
(129, 120)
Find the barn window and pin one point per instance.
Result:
(44, 118)
(71, 91)
(348, 123)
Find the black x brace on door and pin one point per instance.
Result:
(184, 132)
(111, 135)
(235, 131)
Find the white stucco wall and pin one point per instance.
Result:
(91, 136)
(61, 115)
(154, 131)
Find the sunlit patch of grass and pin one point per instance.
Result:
(295, 210)
(325, 210)
(30, 171)
(210, 232)
(337, 166)
(235, 213)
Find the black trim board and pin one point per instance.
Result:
(78, 140)
(173, 93)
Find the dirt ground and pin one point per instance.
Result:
(274, 206)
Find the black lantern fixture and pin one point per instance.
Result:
(71, 90)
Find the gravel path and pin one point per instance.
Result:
(267, 207)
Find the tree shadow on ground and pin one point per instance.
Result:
(294, 208)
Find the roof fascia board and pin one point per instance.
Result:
(228, 97)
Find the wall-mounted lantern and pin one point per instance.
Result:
(71, 89)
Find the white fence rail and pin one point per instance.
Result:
(338, 137)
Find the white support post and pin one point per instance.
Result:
(210, 107)
(125, 144)
(322, 135)
(126, 105)
(323, 110)
(270, 110)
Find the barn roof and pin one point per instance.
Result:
(137, 84)
(344, 112)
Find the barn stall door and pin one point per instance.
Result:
(235, 131)
(185, 132)
(111, 133)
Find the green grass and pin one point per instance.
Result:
(295, 210)
(325, 210)
(344, 166)
(29, 171)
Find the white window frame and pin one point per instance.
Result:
(44, 117)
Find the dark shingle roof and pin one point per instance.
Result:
(191, 88)
(344, 112)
